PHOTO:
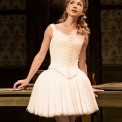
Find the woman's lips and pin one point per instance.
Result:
(74, 11)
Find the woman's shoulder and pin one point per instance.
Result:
(48, 31)
(57, 25)
(50, 28)
(54, 26)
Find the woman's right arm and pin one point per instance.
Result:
(38, 59)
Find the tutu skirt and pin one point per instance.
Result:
(54, 95)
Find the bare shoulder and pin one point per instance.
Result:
(48, 31)
(58, 25)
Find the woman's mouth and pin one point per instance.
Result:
(74, 11)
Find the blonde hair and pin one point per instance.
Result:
(82, 27)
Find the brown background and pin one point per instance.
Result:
(22, 24)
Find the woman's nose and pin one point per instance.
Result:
(74, 5)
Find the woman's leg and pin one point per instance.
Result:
(72, 118)
(62, 119)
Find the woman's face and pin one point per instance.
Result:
(75, 8)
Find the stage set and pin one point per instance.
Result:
(110, 97)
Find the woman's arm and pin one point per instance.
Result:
(82, 61)
(82, 57)
(38, 59)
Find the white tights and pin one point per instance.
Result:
(65, 118)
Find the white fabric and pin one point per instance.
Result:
(63, 89)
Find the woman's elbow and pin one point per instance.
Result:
(39, 57)
(83, 67)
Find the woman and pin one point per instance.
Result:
(63, 90)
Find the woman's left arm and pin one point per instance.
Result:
(82, 61)
(82, 57)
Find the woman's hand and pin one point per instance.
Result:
(96, 91)
(20, 84)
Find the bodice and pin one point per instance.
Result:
(64, 52)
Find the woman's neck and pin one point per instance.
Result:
(69, 27)
(70, 23)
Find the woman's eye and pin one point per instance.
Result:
(79, 4)
(71, 2)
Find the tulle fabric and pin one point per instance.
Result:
(54, 95)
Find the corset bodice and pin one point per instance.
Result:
(64, 52)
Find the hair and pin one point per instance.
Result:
(82, 27)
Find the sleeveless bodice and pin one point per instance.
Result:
(64, 52)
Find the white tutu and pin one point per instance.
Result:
(54, 94)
